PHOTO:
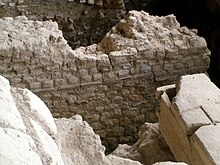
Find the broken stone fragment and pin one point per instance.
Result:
(149, 148)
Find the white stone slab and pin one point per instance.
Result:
(193, 119)
(213, 111)
(17, 148)
(194, 91)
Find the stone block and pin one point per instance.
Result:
(130, 112)
(139, 119)
(91, 2)
(123, 73)
(85, 78)
(111, 123)
(160, 53)
(92, 118)
(168, 67)
(73, 80)
(130, 130)
(191, 120)
(97, 77)
(97, 126)
(206, 142)
(35, 85)
(212, 111)
(48, 84)
(59, 83)
(83, 72)
(105, 116)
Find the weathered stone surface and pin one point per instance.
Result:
(17, 148)
(150, 147)
(48, 144)
(80, 145)
(206, 142)
(114, 79)
(26, 142)
(190, 87)
(26, 101)
(189, 119)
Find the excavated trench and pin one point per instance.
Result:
(84, 24)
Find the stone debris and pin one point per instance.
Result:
(150, 147)
(189, 118)
(110, 84)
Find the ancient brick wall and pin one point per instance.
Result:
(111, 84)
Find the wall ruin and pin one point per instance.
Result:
(201, 14)
(111, 84)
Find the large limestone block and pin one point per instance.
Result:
(189, 120)
(194, 104)
(192, 93)
(17, 148)
(10, 116)
(32, 106)
(207, 143)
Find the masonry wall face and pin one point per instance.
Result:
(111, 84)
